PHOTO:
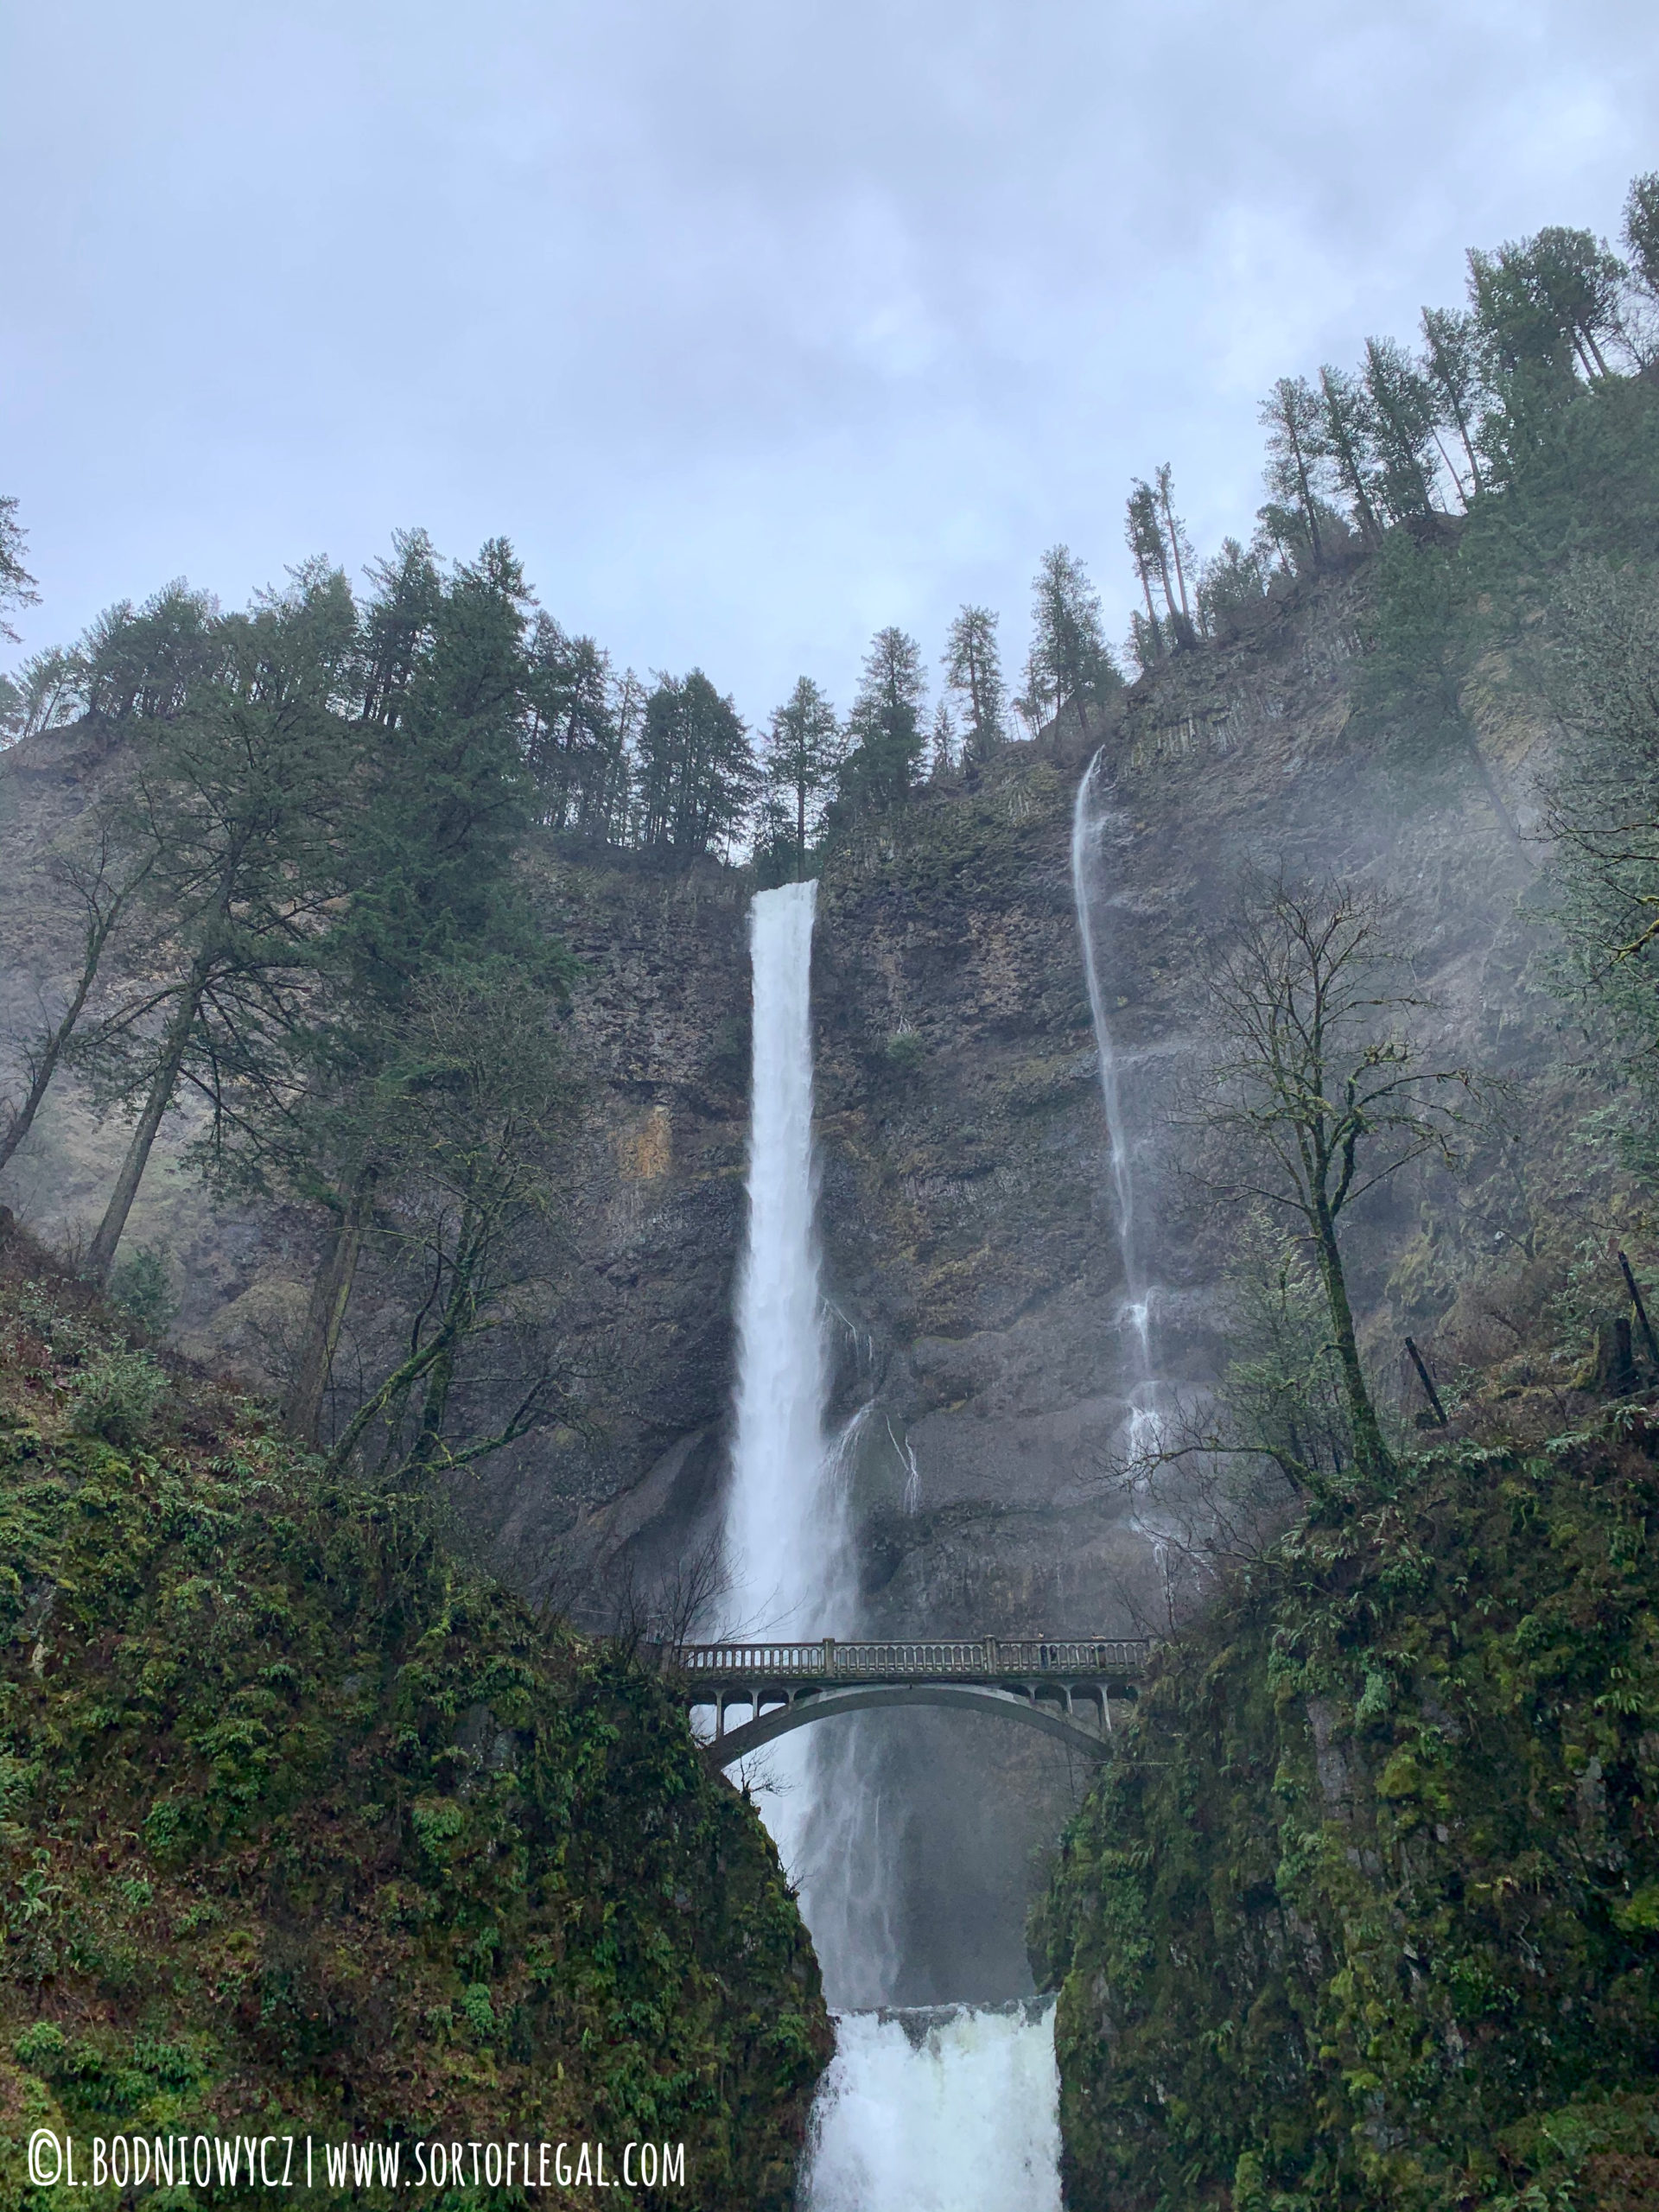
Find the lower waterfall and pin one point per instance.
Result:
(956, 2107)
(943, 2110)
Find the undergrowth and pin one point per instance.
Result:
(304, 1826)
(1365, 1910)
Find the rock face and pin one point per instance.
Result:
(966, 1207)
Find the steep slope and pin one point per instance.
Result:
(1366, 1909)
(304, 1826)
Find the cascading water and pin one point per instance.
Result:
(958, 2108)
(1090, 821)
(944, 2110)
(787, 1553)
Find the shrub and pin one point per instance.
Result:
(116, 1396)
(143, 1289)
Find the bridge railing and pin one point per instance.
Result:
(978, 1658)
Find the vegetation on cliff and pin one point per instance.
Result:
(305, 1826)
(1366, 1909)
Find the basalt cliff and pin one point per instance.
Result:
(967, 1202)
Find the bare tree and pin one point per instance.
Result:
(1321, 1093)
(102, 876)
(472, 1112)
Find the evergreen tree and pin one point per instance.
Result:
(1546, 308)
(1144, 537)
(573, 746)
(399, 622)
(429, 821)
(1346, 442)
(697, 772)
(944, 748)
(883, 728)
(234, 808)
(1070, 659)
(48, 690)
(1292, 415)
(422, 879)
(1640, 231)
(1231, 586)
(17, 585)
(973, 671)
(1160, 547)
(1402, 422)
(1451, 366)
(803, 752)
(1179, 550)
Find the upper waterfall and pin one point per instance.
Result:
(785, 1538)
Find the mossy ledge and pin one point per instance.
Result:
(303, 1825)
(1364, 1911)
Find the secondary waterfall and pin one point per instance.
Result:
(955, 2109)
(1090, 821)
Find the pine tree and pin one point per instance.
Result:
(1180, 550)
(803, 752)
(429, 821)
(234, 808)
(1070, 659)
(944, 747)
(697, 772)
(1452, 364)
(17, 585)
(973, 671)
(1640, 231)
(1144, 537)
(1402, 422)
(883, 728)
(1347, 443)
(574, 747)
(1160, 547)
(399, 622)
(1292, 415)
(1232, 586)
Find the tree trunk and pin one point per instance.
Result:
(325, 1316)
(1310, 506)
(98, 935)
(162, 1085)
(22, 1120)
(1371, 1453)
(439, 1377)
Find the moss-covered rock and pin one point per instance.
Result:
(302, 1824)
(1364, 1911)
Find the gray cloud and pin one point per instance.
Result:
(755, 325)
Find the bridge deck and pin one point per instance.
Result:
(976, 1659)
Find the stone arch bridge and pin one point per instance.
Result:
(1063, 1686)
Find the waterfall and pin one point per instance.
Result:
(946, 2110)
(956, 2108)
(1089, 821)
(787, 1553)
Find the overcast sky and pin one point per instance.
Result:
(756, 324)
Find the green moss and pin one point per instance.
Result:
(299, 1819)
(1361, 1913)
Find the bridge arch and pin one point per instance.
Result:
(1037, 1680)
(978, 1697)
